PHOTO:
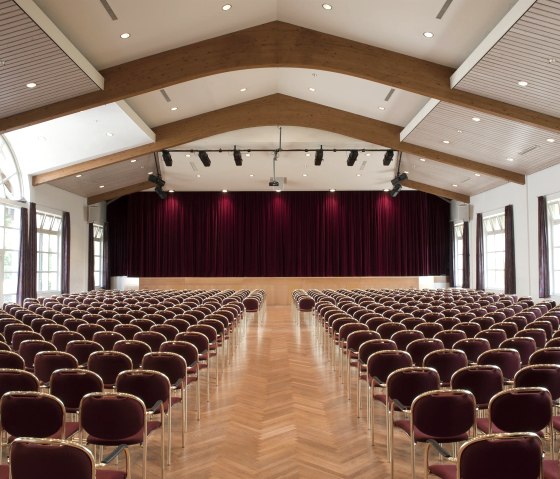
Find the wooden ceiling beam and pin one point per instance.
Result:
(127, 190)
(278, 44)
(452, 195)
(273, 110)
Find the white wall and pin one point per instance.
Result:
(524, 201)
(51, 199)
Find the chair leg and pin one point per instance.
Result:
(390, 445)
(169, 433)
(198, 394)
(412, 458)
(163, 444)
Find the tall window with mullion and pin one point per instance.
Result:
(553, 206)
(98, 255)
(9, 251)
(495, 251)
(48, 253)
(458, 252)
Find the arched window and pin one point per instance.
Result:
(10, 176)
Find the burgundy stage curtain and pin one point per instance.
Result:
(466, 256)
(65, 253)
(544, 265)
(509, 283)
(23, 255)
(452, 265)
(90, 276)
(288, 234)
(479, 252)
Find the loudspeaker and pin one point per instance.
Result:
(95, 215)
(461, 212)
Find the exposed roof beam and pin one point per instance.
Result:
(127, 190)
(452, 195)
(272, 110)
(278, 44)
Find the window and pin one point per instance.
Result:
(98, 255)
(10, 177)
(48, 253)
(554, 244)
(9, 251)
(495, 251)
(458, 260)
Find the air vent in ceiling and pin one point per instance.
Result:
(363, 165)
(527, 150)
(193, 166)
(109, 10)
(443, 10)
(390, 94)
(165, 95)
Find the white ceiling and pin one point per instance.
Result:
(396, 25)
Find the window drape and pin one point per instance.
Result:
(65, 254)
(509, 267)
(544, 265)
(479, 252)
(466, 257)
(31, 267)
(23, 255)
(452, 279)
(106, 281)
(90, 277)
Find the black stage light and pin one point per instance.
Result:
(352, 157)
(204, 158)
(167, 159)
(397, 179)
(162, 194)
(237, 157)
(156, 180)
(388, 157)
(318, 157)
(396, 190)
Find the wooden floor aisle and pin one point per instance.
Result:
(279, 412)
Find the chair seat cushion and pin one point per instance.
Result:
(419, 436)
(483, 424)
(106, 474)
(134, 439)
(444, 471)
(551, 469)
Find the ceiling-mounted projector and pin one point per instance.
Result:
(277, 183)
(274, 183)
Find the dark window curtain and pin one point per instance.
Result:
(544, 265)
(479, 252)
(23, 256)
(358, 233)
(106, 283)
(91, 280)
(31, 268)
(466, 256)
(65, 253)
(452, 279)
(509, 286)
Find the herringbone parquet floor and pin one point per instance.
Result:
(280, 411)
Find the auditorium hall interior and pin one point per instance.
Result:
(279, 239)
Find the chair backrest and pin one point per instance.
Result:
(473, 347)
(82, 348)
(48, 361)
(11, 360)
(470, 329)
(356, 338)
(372, 346)
(547, 355)
(149, 385)
(88, 330)
(429, 330)
(525, 345)
(405, 337)
(152, 338)
(507, 359)
(494, 336)
(169, 363)
(521, 409)
(47, 330)
(198, 339)
(374, 322)
(188, 351)
(108, 364)
(446, 362)
(12, 327)
(539, 335)
(181, 324)
(388, 329)
(383, 363)
(508, 327)
(448, 322)
(107, 339)
(407, 383)
(134, 349)
(124, 416)
(29, 348)
(32, 414)
(546, 326)
(168, 330)
(540, 375)
(483, 381)
(20, 336)
(512, 455)
(127, 330)
(71, 385)
(419, 348)
(450, 336)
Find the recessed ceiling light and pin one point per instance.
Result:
(446, 142)
(422, 159)
(459, 131)
(308, 154)
(224, 191)
(150, 172)
(522, 83)
(31, 85)
(247, 154)
(124, 36)
(188, 155)
(171, 191)
(509, 159)
(358, 174)
(251, 175)
(405, 172)
(385, 190)
(278, 191)
(550, 140)
(101, 186)
(327, 6)
(381, 108)
(226, 7)
(311, 88)
(2, 63)
(477, 174)
(551, 60)
(198, 175)
(454, 185)
(475, 118)
(173, 108)
(368, 154)
(305, 174)
(109, 133)
(428, 34)
(133, 161)
(332, 190)
(78, 176)
(243, 89)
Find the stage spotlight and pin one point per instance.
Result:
(352, 157)
(237, 157)
(388, 157)
(162, 194)
(204, 158)
(396, 190)
(318, 157)
(397, 179)
(167, 159)
(156, 180)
